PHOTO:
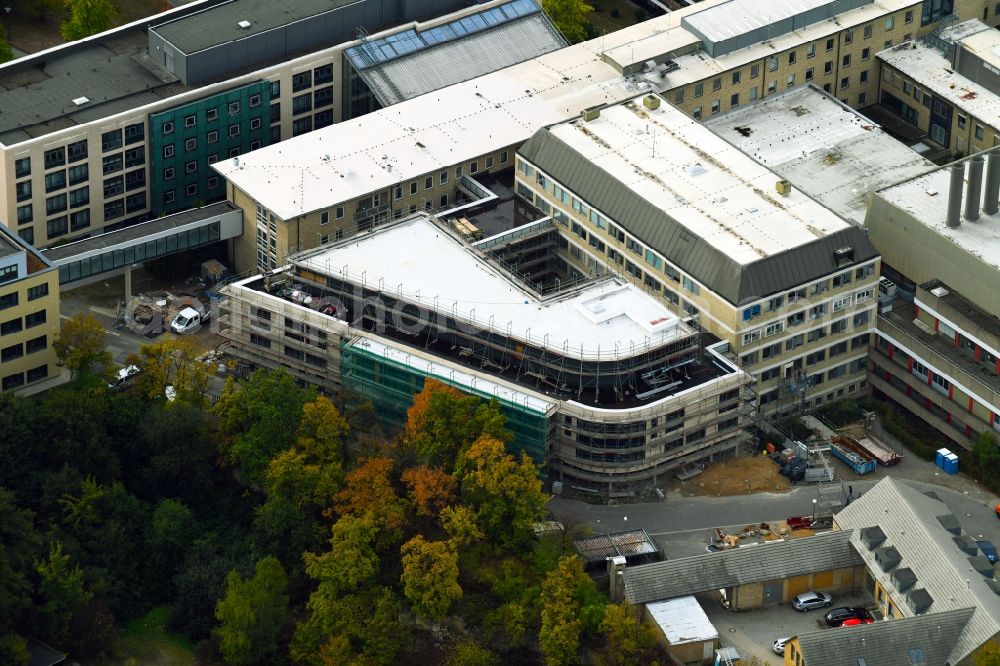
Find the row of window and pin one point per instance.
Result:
(77, 151)
(211, 115)
(772, 87)
(307, 79)
(21, 349)
(17, 379)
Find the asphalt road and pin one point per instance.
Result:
(688, 517)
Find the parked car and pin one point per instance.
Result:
(855, 621)
(779, 645)
(712, 548)
(810, 600)
(838, 616)
(989, 550)
(123, 378)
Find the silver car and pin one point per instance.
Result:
(810, 600)
(779, 645)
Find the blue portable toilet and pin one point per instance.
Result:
(939, 458)
(951, 463)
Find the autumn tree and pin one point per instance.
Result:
(172, 362)
(460, 524)
(627, 640)
(504, 491)
(258, 418)
(80, 345)
(322, 432)
(350, 561)
(430, 577)
(988, 654)
(443, 422)
(88, 17)
(252, 614)
(571, 604)
(570, 16)
(369, 491)
(430, 489)
(469, 653)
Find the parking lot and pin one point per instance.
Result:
(752, 633)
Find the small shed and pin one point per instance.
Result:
(635, 546)
(684, 629)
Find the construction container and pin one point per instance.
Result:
(854, 456)
(951, 463)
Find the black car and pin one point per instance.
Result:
(837, 616)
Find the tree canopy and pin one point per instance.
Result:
(88, 17)
(80, 344)
(570, 16)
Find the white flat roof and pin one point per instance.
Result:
(682, 620)
(419, 261)
(698, 179)
(738, 17)
(932, 70)
(980, 238)
(825, 148)
(453, 375)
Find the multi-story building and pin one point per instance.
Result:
(947, 86)
(937, 353)
(123, 126)
(29, 314)
(599, 381)
(657, 197)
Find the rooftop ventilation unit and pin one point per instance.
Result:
(903, 578)
(80, 101)
(843, 255)
(966, 544)
(783, 187)
(244, 25)
(919, 600)
(872, 537)
(887, 558)
(950, 523)
(651, 102)
(591, 113)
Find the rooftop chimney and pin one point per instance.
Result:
(955, 195)
(992, 194)
(975, 192)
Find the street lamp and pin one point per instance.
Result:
(815, 501)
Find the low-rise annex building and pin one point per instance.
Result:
(655, 196)
(599, 381)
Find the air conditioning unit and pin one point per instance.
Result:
(783, 187)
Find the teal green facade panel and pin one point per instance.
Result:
(391, 387)
(186, 140)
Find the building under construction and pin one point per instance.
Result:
(599, 381)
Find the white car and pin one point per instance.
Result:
(123, 377)
(779, 645)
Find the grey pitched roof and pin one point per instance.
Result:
(941, 578)
(887, 643)
(654, 227)
(770, 561)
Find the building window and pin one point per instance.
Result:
(191, 121)
(77, 151)
(301, 126)
(13, 381)
(36, 344)
(890, 22)
(191, 189)
(55, 157)
(696, 113)
(55, 204)
(135, 133)
(301, 104)
(24, 190)
(167, 129)
(234, 108)
(135, 179)
(443, 177)
(809, 74)
(14, 325)
(866, 53)
(234, 131)
(791, 81)
(24, 214)
(301, 81)
(111, 140)
(829, 45)
(489, 162)
(211, 115)
(716, 106)
(734, 100)
(979, 132)
(848, 36)
(254, 101)
(79, 219)
(190, 144)
(9, 301)
(754, 71)
(862, 98)
(961, 121)
(113, 163)
(717, 84)
(191, 167)
(736, 77)
(55, 181)
(845, 82)
(474, 167)
(847, 60)
(135, 156)
(864, 76)
(22, 167)
(113, 209)
(57, 226)
(34, 318)
(340, 213)
(77, 174)
(699, 89)
(810, 50)
(168, 151)
(169, 197)
(213, 182)
(79, 197)
(828, 67)
(772, 63)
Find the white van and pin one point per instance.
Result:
(188, 320)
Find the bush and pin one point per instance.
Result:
(615, 13)
(841, 413)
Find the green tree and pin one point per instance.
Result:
(172, 362)
(252, 614)
(88, 17)
(504, 491)
(430, 577)
(986, 457)
(13, 650)
(259, 418)
(60, 586)
(570, 16)
(80, 345)
(322, 432)
(19, 545)
(350, 561)
(988, 654)
(460, 524)
(468, 653)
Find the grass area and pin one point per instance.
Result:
(147, 642)
(611, 15)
